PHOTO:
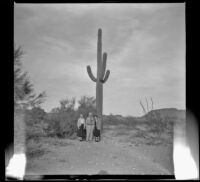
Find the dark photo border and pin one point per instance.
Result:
(192, 80)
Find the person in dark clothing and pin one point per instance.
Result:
(97, 133)
(84, 134)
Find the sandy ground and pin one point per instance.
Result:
(112, 155)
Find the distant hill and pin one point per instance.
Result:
(169, 112)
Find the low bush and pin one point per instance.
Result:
(34, 148)
(62, 124)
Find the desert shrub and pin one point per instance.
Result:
(36, 115)
(62, 124)
(62, 121)
(34, 132)
(112, 120)
(160, 129)
(140, 134)
(157, 124)
(35, 119)
(86, 104)
(129, 122)
(34, 148)
(132, 122)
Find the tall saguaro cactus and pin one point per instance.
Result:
(101, 78)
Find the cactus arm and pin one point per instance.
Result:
(90, 74)
(103, 65)
(106, 76)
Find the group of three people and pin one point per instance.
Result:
(89, 128)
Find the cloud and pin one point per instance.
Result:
(145, 45)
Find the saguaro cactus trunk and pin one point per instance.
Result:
(101, 78)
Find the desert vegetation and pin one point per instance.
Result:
(61, 122)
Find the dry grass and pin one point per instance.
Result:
(58, 142)
(120, 133)
(142, 133)
(34, 148)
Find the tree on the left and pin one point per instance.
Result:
(24, 93)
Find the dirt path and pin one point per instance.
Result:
(106, 157)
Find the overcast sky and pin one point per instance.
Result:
(145, 44)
